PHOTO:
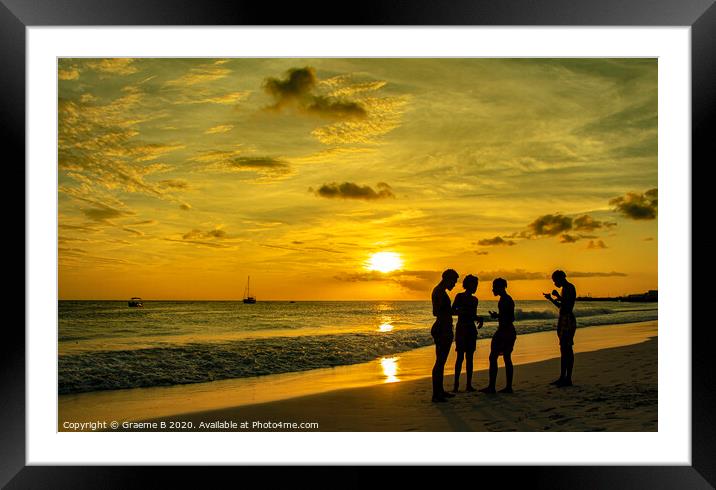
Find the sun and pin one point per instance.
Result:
(384, 262)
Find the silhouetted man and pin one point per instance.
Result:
(503, 340)
(566, 325)
(442, 331)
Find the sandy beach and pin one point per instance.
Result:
(616, 389)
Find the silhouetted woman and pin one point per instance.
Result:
(503, 341)
(465, 307)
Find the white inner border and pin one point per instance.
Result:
(670, 445)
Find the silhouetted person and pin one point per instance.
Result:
(465, 307)
(566, 325)
(503, 341)
(442, 331)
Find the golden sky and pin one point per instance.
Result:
(178, 178)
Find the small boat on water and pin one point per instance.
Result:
(248, 299)
(135, 303)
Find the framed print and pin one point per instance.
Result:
(383, 237)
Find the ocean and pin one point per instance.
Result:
(105, 345)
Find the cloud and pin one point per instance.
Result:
(82, 228)
(383, 115)
(200, 74)
(216, 233)
(349, 190)
(512, 275)
(262, 164)
(498, 240)
(102, 213)
(71, 73)
(595, 274)
(234, 161)
(208, 238)
(99, 148)
(174, 184)
(113, 66)
(550, 225)
(297, 91)
(323, 106)
(637, 206)
(639, 117)
(481, 252)
(199, 242)
(133, 231)
(299, 83)
(195, 95)
(222, 128)
(361, 118)
(567, 238)
(587, 223)
(412, 280)
(302, 249)
(596, 244)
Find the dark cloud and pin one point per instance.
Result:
(259, 163)
(175, 184)
(596, 244)
(198, 242)
(498, 240)
(637, 206)
(299, 83)
(482, 252)
(587, 223)
(302, 249)
(323, 106)
(649, 239)
(87, 229)
(550, 225)
(133, 231)
(349, 190)
(512, 275)
(297, 90)
(421, 281)
(103, 213)
(567, 238)
(184, 206)
(217, 233)
(364, 276)
(595, 274)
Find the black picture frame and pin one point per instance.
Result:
(16, 15)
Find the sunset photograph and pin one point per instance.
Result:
(357, 244)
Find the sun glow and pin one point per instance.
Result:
(384, 262)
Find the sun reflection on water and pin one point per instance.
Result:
(390, 369)
(385, 327)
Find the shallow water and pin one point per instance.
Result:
(105, 345)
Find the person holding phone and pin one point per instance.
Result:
(566, 325)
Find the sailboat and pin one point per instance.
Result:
(248, 299)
